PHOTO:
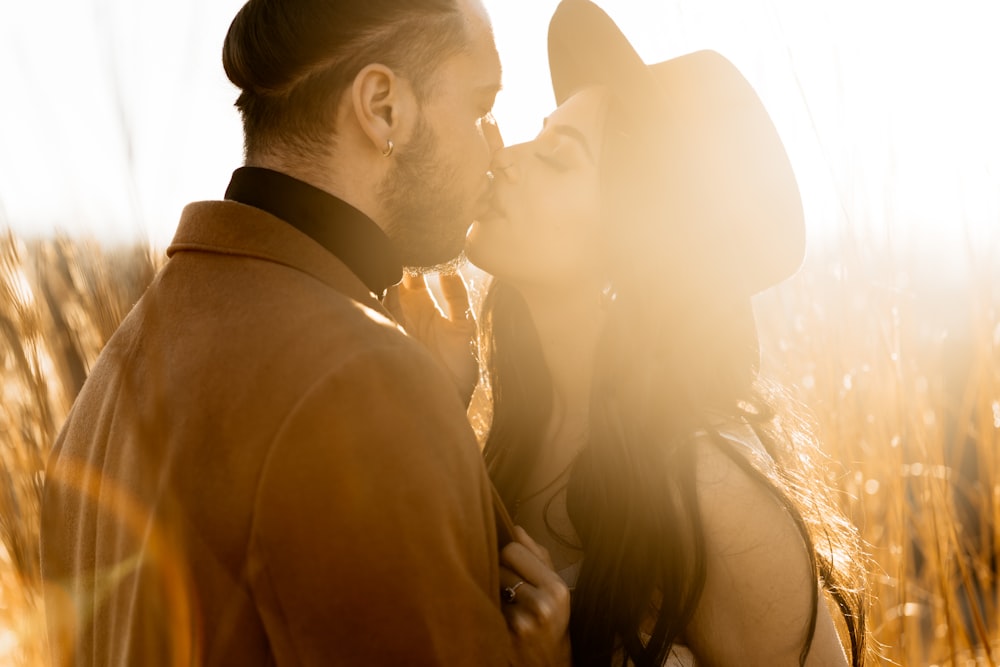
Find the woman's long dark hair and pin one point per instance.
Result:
(676, 353)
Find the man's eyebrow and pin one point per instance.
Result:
(572, 133)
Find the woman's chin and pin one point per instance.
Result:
(490, 247)
(477, 245)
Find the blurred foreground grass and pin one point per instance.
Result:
(903, 381)
(60, 301)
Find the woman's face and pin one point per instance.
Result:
(544, 227)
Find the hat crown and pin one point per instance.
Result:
(728, 189)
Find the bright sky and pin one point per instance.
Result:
(115, 113)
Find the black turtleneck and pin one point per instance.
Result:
(346, 232)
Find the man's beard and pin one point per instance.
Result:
(425, 217)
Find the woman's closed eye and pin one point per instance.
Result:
(562, 146)
(559, 156)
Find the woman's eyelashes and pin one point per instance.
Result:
(552, 162)
(558, 156)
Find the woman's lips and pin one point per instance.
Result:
(492, 209)
(490, 214)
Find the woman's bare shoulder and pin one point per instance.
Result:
(760, 587)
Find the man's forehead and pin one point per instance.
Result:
(476, 68)
(473, 10)
(481, 62)
(492, 76)
(481, 40)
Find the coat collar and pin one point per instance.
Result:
(346, 232)
(231, 228)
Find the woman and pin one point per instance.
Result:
(631, 434)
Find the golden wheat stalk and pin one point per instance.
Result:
(909, 415)
(60, 300)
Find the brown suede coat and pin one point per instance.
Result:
(262, 469)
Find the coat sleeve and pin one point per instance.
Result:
(373, 539)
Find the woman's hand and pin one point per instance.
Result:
(449, 332)
(537, 611)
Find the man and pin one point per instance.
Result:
(262, 467)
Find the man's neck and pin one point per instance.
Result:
(322, 173)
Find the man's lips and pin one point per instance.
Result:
(490, 213)
(488, 208)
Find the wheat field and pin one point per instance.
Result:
(902, 380)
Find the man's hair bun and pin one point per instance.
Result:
(292, 59)
(270, 45)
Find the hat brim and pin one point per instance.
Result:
(740, 192)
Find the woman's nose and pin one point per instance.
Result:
(504, 166)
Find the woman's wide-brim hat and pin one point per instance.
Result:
(728, 187)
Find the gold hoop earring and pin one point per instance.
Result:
(389, 147)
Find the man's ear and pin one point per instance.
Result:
(381, 100)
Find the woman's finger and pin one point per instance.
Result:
(456, 296)
(530, 601)
(416, 297)
(509, 577)
(414, 281)
(516, 587)
(521, 536)
(543, 588)
(536, 606)
(537, 618)
(519, 559)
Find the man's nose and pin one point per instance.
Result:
(491, 132)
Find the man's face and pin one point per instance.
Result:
(438, 182)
